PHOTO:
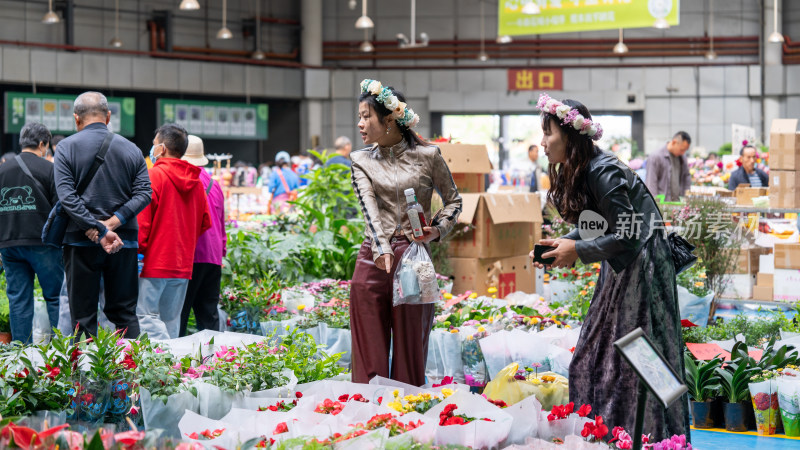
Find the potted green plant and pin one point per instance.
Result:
(733, 380)
(703, 382)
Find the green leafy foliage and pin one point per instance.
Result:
(702, 377)
(735, 376)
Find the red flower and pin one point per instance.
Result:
(762, 401)
(75, 354)
(445, 381)
(129, 438)
(498, 403)
(193, 435)
(561, 411)
(597, 429)
(584, 410)
(298, 394)
(281, 428)
(128, 362)
(53, 372)
(774, 400)
(344, 398)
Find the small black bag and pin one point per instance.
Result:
(681, 252)
(57, 221)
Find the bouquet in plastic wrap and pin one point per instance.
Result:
(788, 384)
(415, 279)
(764, 393)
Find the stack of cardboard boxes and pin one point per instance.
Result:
(739, 282)
(496, 232)
(784, 164)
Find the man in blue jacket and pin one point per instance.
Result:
(102, 237)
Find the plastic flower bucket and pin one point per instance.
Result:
(765, 406)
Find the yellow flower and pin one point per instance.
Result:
(567, 326)
(492, 290)
(447, 392)
(494, 296)
(491, 319)
(474, 295)
(541, 299)
(469, 337)
(536, 381)
(448, 296)
(699, 284)
(481, 329)
(534, 320)
(596, 266)
(558, 322)
(454, 330)
(703, 275)
(395, 406)
(548, 378)
(396, 393)
(583, 292)
(301, 307)
(591, 283)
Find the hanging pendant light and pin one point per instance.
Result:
(776, 37)
(620, 48)
(51, 17)
(189, 5)
(711, 54)
(115, 41)
(505, 39)
(224, 32)
(661, 23)
(364, 22)
(483, 56)
(258, 54)
(366, 46)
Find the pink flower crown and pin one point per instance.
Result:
(570, 116)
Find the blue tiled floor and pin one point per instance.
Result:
(712, 440)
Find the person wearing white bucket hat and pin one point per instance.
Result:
(282, 184)
(202, 295)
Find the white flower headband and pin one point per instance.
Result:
(403, 115)
(570, 116)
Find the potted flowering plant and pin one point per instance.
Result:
(703, 382)
(93, 388)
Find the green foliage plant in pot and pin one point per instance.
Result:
(703, 382)
(733, 380)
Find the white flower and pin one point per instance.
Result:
(375, 87)
(562, 111)
(591, 131)
(365, 85)
(414, 121)
(392, 103)
(578, 122)
(549, 105)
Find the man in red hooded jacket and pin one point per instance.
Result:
(168, 230)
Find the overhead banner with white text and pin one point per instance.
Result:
(520, 17)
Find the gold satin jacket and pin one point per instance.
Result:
(381, 174)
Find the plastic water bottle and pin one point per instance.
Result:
(140, 262)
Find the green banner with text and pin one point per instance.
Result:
(55, 112)
(216, 119)
(523, 17)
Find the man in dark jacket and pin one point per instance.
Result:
(27, 195)
(748, 173)
(104, 214)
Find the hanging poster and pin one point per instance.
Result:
(216, 119)
(55, 112)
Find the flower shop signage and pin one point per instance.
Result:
(55, 112)
(216, 119)
(535, 79)
(520, 17)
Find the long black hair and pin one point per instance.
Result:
(411, 138)
(568, 191)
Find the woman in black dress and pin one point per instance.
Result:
(637, 286)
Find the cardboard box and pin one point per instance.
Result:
(787, 285)
(748, 260)
(505, 225)
(787, 256)
(509, 274)
(784, 188)
(745, 195)
(762, 293)
(738, 286)
(784, 145)
(469, 164)
(764, 279)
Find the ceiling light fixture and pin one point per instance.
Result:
(661, 23)
(51, 17)
(404, 42)
(711, 54)
(531, 8)
(115, 41)
(258, 54)
(189, 5)
(505, 39)
(224, 32)
(364, 22)
(352, 4)
(776, 37)
(620, 48)
(483, 56)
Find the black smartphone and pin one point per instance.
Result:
(539, 250)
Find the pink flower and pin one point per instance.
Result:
(543, 98)
(159, 350)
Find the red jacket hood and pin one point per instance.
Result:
(183, 175)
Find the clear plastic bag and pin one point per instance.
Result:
(415, 279)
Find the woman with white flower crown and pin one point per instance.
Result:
(637, 285)
(394, 160)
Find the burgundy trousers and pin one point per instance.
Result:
(375, 324)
